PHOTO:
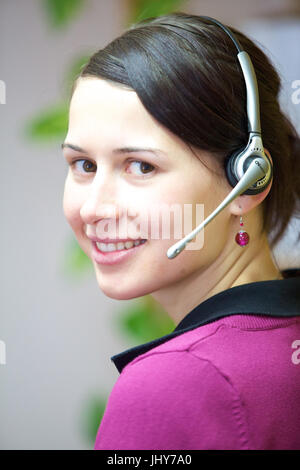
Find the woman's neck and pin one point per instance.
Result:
(234, 266)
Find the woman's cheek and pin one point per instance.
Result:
(71, 206)
(72, 213)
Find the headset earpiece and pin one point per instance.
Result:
(229, 165)
(236, 165)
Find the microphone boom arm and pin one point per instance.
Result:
(257, 170)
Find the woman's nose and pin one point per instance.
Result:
(101, 202)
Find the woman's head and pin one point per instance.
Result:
(174, 83)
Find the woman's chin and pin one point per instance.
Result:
(119, 292)
(119, 295)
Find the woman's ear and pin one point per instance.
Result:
(268, 153)
(245, 203)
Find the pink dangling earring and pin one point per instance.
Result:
(242, 238)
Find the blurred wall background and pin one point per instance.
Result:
(59, 331)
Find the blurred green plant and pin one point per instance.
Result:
(142, 9)
(74, 262)
(51, 124)
(144, 320)
(61, 12)
(91, 415)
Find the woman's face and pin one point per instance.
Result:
(105, 185)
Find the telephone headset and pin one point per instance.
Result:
(248, 170)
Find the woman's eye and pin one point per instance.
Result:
(89, 167)
(144, 166)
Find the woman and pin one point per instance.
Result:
(228, 376)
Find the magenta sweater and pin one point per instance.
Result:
(227, 377)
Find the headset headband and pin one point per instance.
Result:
(253, 112)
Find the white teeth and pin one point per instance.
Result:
(106, 247)
(128, 244)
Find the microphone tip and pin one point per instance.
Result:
(172, 253)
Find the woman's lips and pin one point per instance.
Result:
(113, 257)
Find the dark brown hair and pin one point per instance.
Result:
(186, 73)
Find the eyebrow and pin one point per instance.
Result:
(119, 150)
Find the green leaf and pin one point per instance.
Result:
(49, 124)
(144, 321)
(152, 8)
(61, 12)
(91, 416)
(74, 262)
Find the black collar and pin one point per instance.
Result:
(276, 298)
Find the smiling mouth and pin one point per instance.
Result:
(120, 246)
